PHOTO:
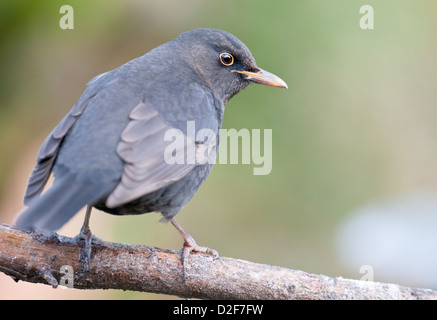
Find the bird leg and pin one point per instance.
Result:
(87, 236)
(190, 244)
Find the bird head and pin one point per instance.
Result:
(223, 62)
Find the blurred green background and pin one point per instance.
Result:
(358, 121)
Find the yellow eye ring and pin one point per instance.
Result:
(227, 59)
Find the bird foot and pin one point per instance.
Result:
(86, 236)
(190, 245)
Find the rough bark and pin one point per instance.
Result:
(47, 258)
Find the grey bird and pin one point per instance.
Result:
(109, 151)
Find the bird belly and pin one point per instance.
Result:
(168, 200)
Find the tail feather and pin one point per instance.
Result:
(37, 180)
(60, 203)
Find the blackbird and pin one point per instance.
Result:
(109, 151)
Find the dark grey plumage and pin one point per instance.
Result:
(108, 151)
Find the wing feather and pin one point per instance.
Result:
(143, 148)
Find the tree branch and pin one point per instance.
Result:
(39, 258)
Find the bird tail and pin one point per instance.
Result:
(60, 203)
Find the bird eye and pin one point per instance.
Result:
(226, 58)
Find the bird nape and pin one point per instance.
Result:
(111, 151)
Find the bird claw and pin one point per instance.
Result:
(193, 246)
(45, 272)
(86, 236)
(190, 245)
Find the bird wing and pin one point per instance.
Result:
(142, 145)
(49, 150)
(143, 148)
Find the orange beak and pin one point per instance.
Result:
(264, 77)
